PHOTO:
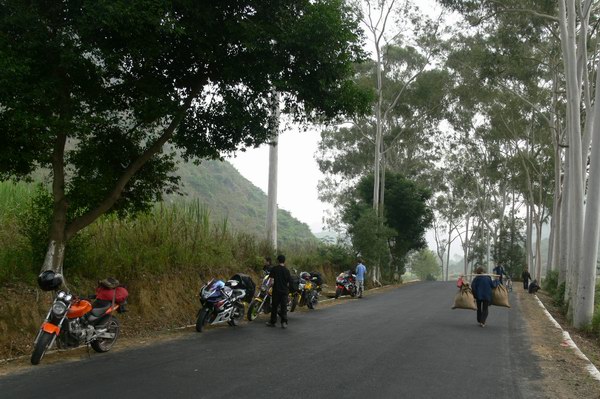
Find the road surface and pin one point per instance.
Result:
(404, 342)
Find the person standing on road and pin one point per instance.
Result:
(482, 291)
(526, 277)
(281, 283)
(268, 265)
(361, 272)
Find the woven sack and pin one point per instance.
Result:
(464, 298)
(500, 296)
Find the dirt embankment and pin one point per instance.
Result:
(155, 305)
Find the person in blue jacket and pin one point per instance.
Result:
(361, 272)
(482, 291)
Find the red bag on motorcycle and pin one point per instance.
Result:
(106, 294)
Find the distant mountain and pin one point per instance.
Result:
(227, 194)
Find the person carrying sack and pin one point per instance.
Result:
(482, 291)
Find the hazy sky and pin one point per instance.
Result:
(298, 170)
(298, 175)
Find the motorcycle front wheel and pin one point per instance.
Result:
(202, 319)
(238, 314)
(41, 347)
(103, 344)
(254, 309)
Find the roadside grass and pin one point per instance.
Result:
(557, 292)
(169, 238)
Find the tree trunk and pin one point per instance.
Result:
(584, 302)
(568, 36)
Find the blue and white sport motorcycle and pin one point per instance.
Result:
(221, 302)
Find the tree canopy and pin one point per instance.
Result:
(93, 90)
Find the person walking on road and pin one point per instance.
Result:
(526, 277)
(361, 272)
(482, 291)
(281, 288)
(499, 270)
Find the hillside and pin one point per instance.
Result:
(227, 194)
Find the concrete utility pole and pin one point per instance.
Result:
(273, 163)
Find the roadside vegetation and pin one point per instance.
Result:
(169, 237)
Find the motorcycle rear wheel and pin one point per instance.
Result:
(202, 319)
(102, 345)
(41, 347)
(338, 292)
(254, 310)
(313, 300)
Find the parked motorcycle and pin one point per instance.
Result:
(221, 302)
(72, 321)
(307, 294)
(345, 284)
(262, 301)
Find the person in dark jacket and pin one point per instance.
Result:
(268, 265)
(482, 291)
(499, 270)
(281, 283)
(526, 277)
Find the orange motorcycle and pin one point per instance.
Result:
(72, 321)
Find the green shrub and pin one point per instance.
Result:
(550, 283)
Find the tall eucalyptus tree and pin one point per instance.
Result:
(571, 18)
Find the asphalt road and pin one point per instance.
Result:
(402, 343)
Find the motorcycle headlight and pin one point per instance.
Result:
(59, 308)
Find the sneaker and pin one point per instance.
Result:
(269, 324)
(284, 324)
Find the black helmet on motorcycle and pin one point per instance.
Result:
(49, 280)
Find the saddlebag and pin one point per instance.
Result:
(120, 294)
(319, 280)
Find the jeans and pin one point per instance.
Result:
(360, 287)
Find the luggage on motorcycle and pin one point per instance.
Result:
(119, 294)
(245, 282)
(319, 280)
